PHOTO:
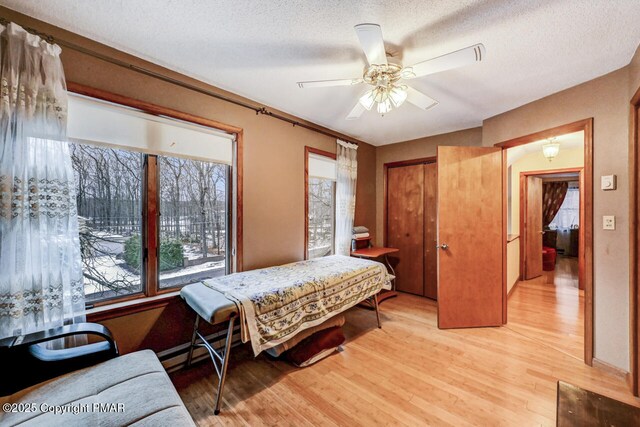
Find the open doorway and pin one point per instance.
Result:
(551, 209)
(546, 302)
(547, 254)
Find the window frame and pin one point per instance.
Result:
(151, 200)
(229, 223)
(307, 151)
(575, 189)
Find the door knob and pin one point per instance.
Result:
(443, 246)
(542, 232)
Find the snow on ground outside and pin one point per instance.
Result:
(114, 269)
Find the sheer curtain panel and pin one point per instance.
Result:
(347, 160)
(41, 282)
(568, 215)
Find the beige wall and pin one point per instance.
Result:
(606, 99)
(567, 158)
(513, 263)
(415, 149)
(366, 188)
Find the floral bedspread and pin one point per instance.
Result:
(278, 302)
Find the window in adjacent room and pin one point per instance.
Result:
(321, 206)
(568, 217)
(153, 198)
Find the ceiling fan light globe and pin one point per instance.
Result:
(397, 95)
(384, 107)
(380, 94)
(367, 100)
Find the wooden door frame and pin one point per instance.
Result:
(310, 150)
(634, 243)
(523, 207)
(586, 126)
(385, 190)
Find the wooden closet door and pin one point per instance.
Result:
(405, 225)
(430, 230)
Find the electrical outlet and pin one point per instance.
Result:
(608, 222)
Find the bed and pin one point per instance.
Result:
(274, 304)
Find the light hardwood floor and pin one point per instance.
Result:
(550, 309)
(408, 373)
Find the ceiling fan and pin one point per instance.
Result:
(386, 75)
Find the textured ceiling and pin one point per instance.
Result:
(260, 49)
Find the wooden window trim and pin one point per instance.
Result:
(150, 226)
(115, 300)
(131, 306)
(310, 150)
(142, 299)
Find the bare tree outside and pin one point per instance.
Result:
(321, 217)
(193, 208)
(109, 198)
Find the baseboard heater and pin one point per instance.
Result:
(175, 358)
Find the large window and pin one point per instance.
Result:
(153, 214)
(321, 196)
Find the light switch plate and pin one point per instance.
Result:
(608, 222)
(608, 182)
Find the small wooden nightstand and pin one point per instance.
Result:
(373, 253)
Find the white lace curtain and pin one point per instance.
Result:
(40, 266)
(569, 214)
(347, 160)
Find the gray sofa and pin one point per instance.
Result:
(133, 389)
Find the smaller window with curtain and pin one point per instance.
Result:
(566, 221)
(568, 216)
(321, 206)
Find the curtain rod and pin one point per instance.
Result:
(258, 110)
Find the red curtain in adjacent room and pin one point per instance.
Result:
(553, 194)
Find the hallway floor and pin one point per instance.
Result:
(550, 309)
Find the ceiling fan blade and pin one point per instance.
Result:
(356, 112)
(370, 36)
(419, 99)
(459, 58)
(329, 83)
